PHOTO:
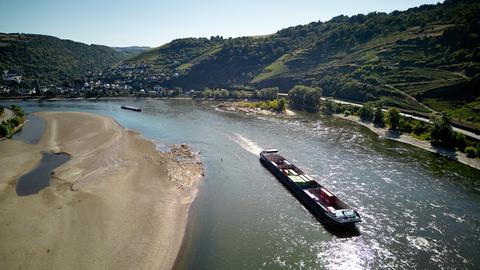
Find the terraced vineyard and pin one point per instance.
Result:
(424, 59)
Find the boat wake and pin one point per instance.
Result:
(246, 143)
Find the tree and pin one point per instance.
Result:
(366, 112)
(393, 118)
(460, 141)
(18, 110)
(305, 98)
(312, 99)
(4, 130)
(207, 93)
(266, 93)
(442, 128)
(378, 118)
(15, 121)
(282, 105)
(329, 107)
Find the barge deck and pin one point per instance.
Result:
(328, 208)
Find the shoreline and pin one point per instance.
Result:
(410, 140)
(381, 132)
(118, 203)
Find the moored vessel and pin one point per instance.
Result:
(126, 107)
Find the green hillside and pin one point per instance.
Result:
(420, 59)
(177, 54)
(45, 59)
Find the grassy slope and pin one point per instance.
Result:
(176, 54)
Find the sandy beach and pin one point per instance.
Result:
(117, 204)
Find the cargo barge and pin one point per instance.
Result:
(125, 107)
(328, 208)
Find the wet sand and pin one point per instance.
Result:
(117, 204)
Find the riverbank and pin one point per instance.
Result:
(382, 132)
(117, 204)
(405, 138)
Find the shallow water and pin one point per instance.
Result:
(32, 131)
(419, 210)
(39, 177)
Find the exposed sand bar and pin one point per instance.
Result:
(117, 204)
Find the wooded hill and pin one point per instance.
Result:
(419, 59)
(43, 60)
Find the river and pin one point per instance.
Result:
(419, 210)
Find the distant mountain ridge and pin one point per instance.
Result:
(131, 51)
(42, 59)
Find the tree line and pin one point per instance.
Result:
(439, 131)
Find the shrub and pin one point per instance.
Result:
(405, 125)
(273, 105)
(471, 152)
(366, 112)
(329, 108)
(282, 105)
(419, 127)
(347, 112)
(378, 118)
(339, 108)
(15, 121)
(460, 141)
(4, 130)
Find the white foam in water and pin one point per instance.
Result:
(418, 242)
(246, 144)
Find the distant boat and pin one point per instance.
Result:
(321, 202)
(125, 107)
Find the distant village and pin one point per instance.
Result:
(123, 80)
(126, 80)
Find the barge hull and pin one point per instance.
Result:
(315, 208)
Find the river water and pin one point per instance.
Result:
(419, 210)
(39, 177)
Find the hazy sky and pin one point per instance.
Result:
(152, 23)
